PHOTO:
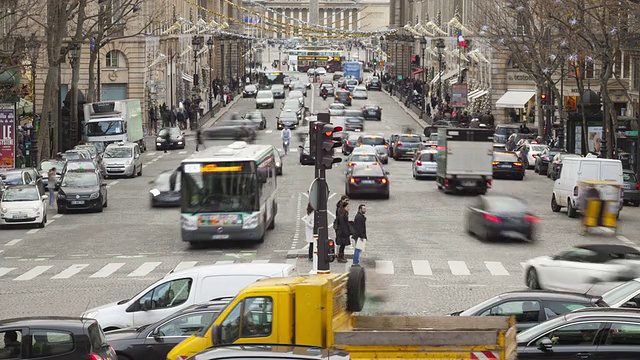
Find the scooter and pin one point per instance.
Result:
(324, 96)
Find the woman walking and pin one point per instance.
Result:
(51, 184)
(344, 230)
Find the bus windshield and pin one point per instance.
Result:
(271, 78)
(106, 127)
(221, 187)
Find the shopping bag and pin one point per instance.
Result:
(361, 244)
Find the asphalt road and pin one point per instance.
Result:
(418, 247)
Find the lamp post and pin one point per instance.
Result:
(210, 45)
(196, 44)
(33, 47)
(395, 58)
(423, 55)
(222, 65)
(440, 46)
(74, 55)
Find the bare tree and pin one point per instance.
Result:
(597, 27)
(515, 27)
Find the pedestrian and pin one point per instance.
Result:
(286, 138)
(338, 207)
(309, 220)
(344, 230)
(51, 178)
(199, 141)
(360, 233)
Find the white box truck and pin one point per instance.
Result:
(464, 160)
(114, 121)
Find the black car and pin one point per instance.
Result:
(367, 180)
(154, 341)
(269, 352)
(258, 118)
(305, 153)
(544, 159)
(54, 338)
(82, 191)
(249, 91)
(293, 105)
(288, 119)
(372, 111)
(344, 96)
(175, 140)
(591, 333)
(166, 189)
(507, 165)
(349, 142)
(496, 216)
(532, 307)
(375, 84)
(231, 129)
(353, 123)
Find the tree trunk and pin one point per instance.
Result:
(609, 114)
(92, 93)
(49, 117)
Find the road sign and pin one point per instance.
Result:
(550, 107)
(631, 133)
(313, 192)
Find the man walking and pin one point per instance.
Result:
(360, 232)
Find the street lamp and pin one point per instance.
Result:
(423, 43)
(440, 46)
(395, 58)
(33, 47)
(74, 55)
(210, 45)
(196, 44)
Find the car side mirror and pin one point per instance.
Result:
(545, 345)
(216, 335)
(45, 197)
(146, 305)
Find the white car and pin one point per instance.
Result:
(321, 71)
(579, 268)
(337, 109)
(360, 92)
(182, 288)
(23, 204)
(534, 151)
(264, 99)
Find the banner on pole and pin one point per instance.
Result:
(459, 96)
(7, 136)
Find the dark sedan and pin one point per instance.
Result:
(154, 341)
(354, 124)
(367, 180)
(249, 91)
(532, 307)
(375, 84)
(82, 191)
(165, 191)
(350, 142)
(372, 111)
(544, 159)
(495, 216)
(175, 139)
(344, 96)
(554, 168)
(288, 119)
(507, 165)
(231, 129)
(305, 154)
(46, 165)
(406, 146)
(258, 119)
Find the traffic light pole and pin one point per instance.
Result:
(321, 220)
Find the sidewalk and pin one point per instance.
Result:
(412, 114)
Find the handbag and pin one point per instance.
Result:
(361, 244)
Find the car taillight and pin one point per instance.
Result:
(354, 180)
(95, 357)
(399, 143)
(384, 180)
(496, 163)
(446, 182)
(517, 164)
(531, 219)
(349, 142)
(492, 218)
(638, 186)
(419, 163)
(386, 146)
(534, 156)
(351, 164)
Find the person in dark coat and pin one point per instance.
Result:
(199, 141)
(343, 233)
(359, 231)
(338, 208)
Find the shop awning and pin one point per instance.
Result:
(477, 94)
(470, 95)
(187, 77)
(515, 99)
(450, 74)
(417, 72)
(435, 79)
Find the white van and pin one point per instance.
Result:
(181, 289)
(574, 170)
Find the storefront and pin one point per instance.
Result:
(518, 105)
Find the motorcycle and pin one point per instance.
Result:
(324, 96)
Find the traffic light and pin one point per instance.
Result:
(331, 250)
(327, 141)
(315, 63)
(313, 129)
(543, 99)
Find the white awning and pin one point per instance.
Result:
(477, 94)
(435, 79)
(448, 75)
(187, 77)
(470, 95)
(515, 99)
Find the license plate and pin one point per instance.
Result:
(19, 216)
(368, 181)
(80, 202)
(505, 166)
(372, 112)
(410, 152)
(223, 236)
(627, 187)
(468, 183)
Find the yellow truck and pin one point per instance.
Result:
(318, 310)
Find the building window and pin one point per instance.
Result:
(520, 25)
(518, 64)
(114, 59)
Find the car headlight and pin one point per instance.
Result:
(129, 162)
(4, 209)
(36, 208)
(189, 223)
(94, 196)
(62, 196)
(250, 221)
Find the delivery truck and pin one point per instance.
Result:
(464, 160)
(114, 121)
(318, 310)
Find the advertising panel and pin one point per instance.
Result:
(459, 96)
(7, 136)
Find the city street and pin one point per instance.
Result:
(417, 245)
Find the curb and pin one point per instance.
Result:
(304, 253)
(224, 110)
(413, 115)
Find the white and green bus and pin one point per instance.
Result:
(228, 193)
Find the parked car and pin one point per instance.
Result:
(278, 160)
(165, 190)
(544, 160)
(631, 185)
(265, 99)
(55, 338)
(23, 205)
(372, 111)
(533, 152)
(23, 176)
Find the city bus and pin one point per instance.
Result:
(308, 58)
(268, 78)
(228, 193)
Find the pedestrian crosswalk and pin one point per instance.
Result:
(65, 270)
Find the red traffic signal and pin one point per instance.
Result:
(543, 96)
(327, 141)
(329, 133)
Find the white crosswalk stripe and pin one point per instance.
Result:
(139, 269)
(151, 154)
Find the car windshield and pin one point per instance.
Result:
(250, 88)
(118, 153)
(163, 182)
(373, 140)
(505, 157)
(409, 139)
(277, 87)
(505, 204)
(336, 107)
(90, 148)
(621, 292)
(98, 145)
(80, 165)
(12, 178)
(474, 309)
(48, 164)
(21, 194)
(364, 158)
(264, 95)
(428, 157)
(291, 106)
(367, 171)
(172, 131)
(256, 116)
(629, 177)
(73, 156)
(506, 130)
(79, 179)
